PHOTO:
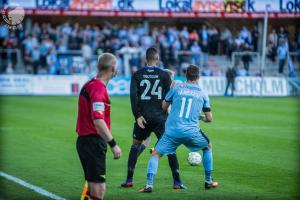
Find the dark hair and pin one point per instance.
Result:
(151, 54)
(192, 73)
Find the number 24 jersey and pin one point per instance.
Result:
(148, 89)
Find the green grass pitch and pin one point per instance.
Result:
(255, 144)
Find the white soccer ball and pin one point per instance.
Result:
(194, 158)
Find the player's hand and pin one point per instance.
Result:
(117, 152)
(141, 121)
(172, 84)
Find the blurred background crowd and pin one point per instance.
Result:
(73, 48)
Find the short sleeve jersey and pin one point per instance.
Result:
(188, 101)
(93, 103)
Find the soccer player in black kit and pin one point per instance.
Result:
(148, 89)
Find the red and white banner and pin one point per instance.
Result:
(162, 8)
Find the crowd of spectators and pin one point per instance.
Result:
(46, 48)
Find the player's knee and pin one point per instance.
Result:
(155, 153)
(209, 146)
(137, 143)
(135, 147)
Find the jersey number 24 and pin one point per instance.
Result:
(155, 90)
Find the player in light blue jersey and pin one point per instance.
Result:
(182, 126)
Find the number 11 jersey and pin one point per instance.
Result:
(188, 101)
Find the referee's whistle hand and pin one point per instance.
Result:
(117, 152)
(141, 121)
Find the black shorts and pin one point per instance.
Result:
(141, 134)
(92, 153)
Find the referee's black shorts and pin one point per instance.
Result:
(92, 153)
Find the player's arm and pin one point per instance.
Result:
(98, 102)
(169, 83)
(168, 99)
(106, 135)
(134, 97)
(134, 100)
(207, 117)
(165, 105)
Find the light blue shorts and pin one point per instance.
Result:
(194, 142)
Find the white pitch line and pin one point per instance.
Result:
(37, 189)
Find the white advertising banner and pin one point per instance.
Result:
(57, 85)
(291, 6)
(138, 5)
(256, 86)
(12, 84)
(260, 5)
(40, 85)
(71, 85)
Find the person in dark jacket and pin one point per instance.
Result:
(230, 78)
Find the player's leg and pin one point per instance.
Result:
(139, 135)
(145, 143)
(85, 192)
(97, 190)
(151, 171)
(92, 153)
(172, 158)
(208, 167)
(164, 146)
(199, 141)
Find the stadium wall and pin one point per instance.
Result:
(70, 85)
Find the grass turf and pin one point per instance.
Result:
(255, 141)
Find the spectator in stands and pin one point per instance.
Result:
(194, 36)
(203, 33)
(52, 61)
(226, 35)
(272, 45)
(282, 52)
(230, 79)
(36, 56)
(11, 42)
(297, 40)
(245, 35)
(206, 71)
(86, 54)
(3, 34)
(172, 41)
(184, 33)
(246, 57)
(196, 51)
(255, 37)
(213, 40)
(282, 34)
(241, 71)
(184, 58)
(273, 38)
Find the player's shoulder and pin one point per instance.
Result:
(95, 85)
(150, 70)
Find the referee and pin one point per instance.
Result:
(93, 127)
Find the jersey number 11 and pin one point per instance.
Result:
(188, 110)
